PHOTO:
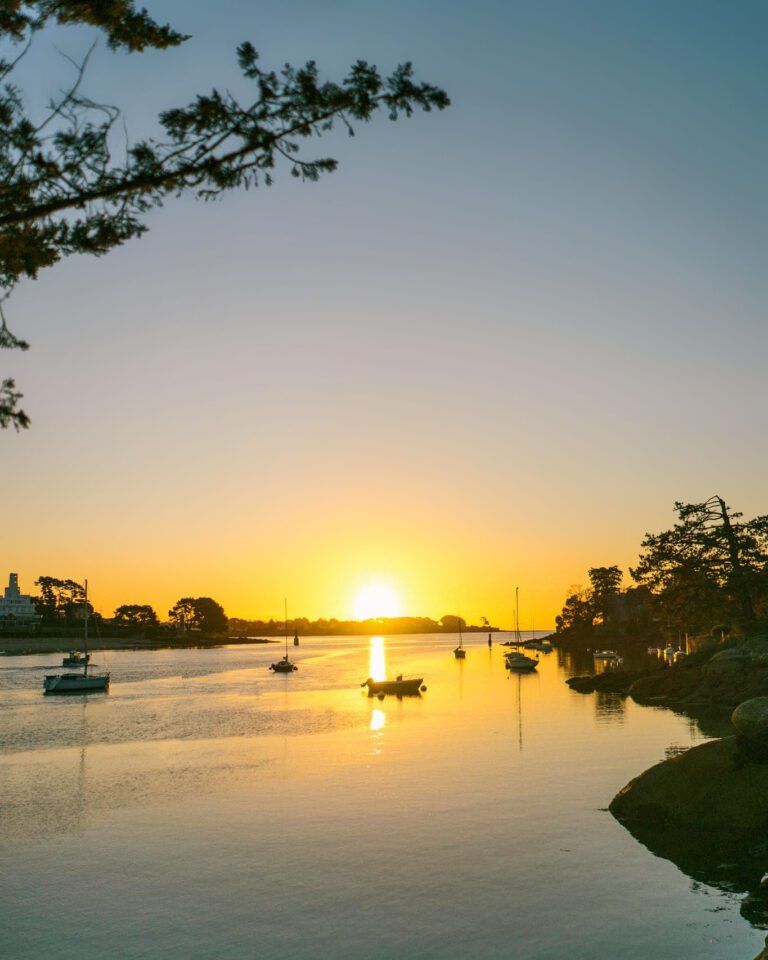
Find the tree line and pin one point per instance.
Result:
(62, 603)
(707, 574)
(333, 627)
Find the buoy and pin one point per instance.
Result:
(381, 695)
(424, 688)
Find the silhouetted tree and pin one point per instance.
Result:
(578, 612)
(451, 623)
(65, 189)
(200, 613)
(136, 614)
(605, 588)
(710, 566)
(60, 600)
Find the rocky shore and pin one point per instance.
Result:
(719, 679)
(706, 810)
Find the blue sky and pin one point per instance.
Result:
(492, 349)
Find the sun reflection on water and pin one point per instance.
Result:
(378, 720)
(377, 668)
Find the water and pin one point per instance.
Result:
(206, 808)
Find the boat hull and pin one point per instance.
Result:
(401, 688)
(75, 683)
(520, 663)
(283, 667)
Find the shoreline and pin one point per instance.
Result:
(29, 646)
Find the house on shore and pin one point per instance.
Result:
(17, 610)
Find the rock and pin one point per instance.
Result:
(706, 810)
(610, 681)
(716, 786)
(751, 720)
(724, 681)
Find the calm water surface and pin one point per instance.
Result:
(206, 808)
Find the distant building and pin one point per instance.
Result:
(17, 609)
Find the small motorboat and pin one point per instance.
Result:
(284, 666)
(76, 659)
(400, 686)
(606, 655)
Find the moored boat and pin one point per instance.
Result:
(76, 659)
(515, 660)
(400, 686)
(520, 663)
(285, 665)
(84, 682)
(75, 682)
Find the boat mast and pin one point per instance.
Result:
(85, 630)
(517, 615)
(286, 627)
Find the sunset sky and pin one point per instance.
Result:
(490, 351)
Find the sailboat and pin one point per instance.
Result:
(284, 665)
(459, 652)
(84, 682)
(515, 660)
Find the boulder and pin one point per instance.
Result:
(751, 720)
(609, 681)
(717, 787)
(706, 810)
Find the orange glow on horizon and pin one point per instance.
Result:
(375, 600)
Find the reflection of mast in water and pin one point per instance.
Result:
(80, 796)
(519, 711)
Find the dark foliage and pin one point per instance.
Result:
(68, 185)
(199, 613)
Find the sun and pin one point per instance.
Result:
(374, 600)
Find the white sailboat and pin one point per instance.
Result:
(84, 682)
(284, 665)
(515, 660)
